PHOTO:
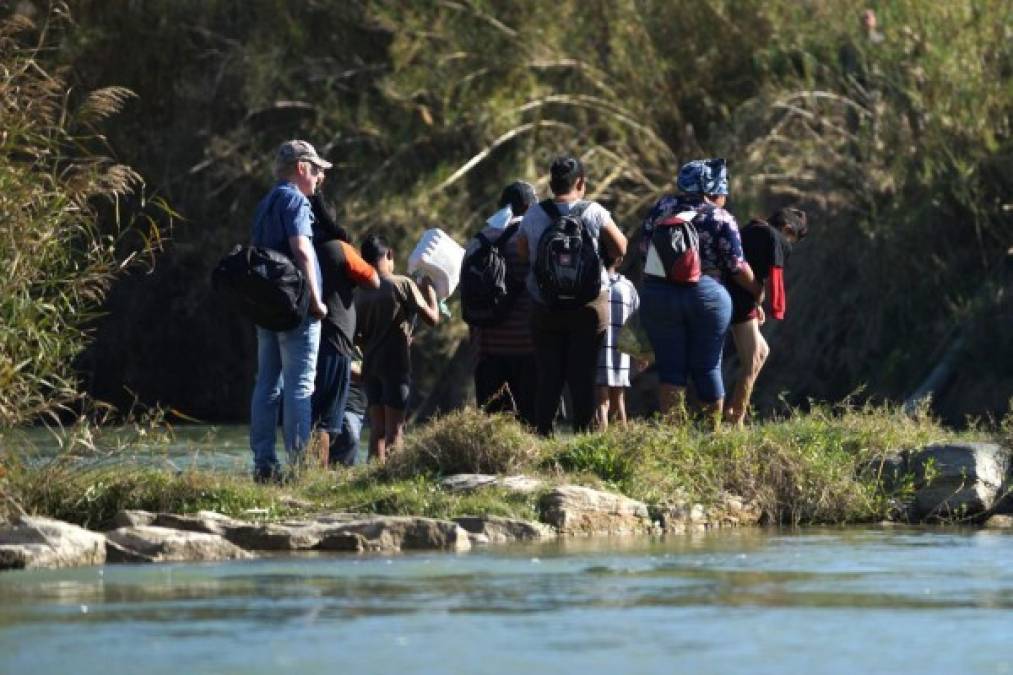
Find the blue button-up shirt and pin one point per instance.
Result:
(285, 212)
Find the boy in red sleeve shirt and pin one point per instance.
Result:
(765, 245)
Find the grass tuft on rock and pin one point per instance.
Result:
(91, 494)
(466, 441)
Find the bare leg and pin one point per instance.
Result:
(753, 352)
(394, 430)
(617, 402)
(602, 411)
(377, 432)
(712, 411)
(319, 446)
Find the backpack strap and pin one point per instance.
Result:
(578, 209)
(510, 231)
(550, 208)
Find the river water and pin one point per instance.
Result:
(815, 601)
(225, 447)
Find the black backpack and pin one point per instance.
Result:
(568, 266)
(487, 290)
(264, 285)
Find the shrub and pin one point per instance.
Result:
(606, 455)
(466, 441)
(58, 260)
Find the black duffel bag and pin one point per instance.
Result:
(263, 285)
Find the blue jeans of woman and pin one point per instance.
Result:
(286, 361)
(686, 326)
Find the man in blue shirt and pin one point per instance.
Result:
(286, 360)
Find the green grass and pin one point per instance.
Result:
(808, 468)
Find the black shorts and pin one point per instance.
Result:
(390, 392)
(743, 304)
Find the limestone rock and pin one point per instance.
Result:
(345, 541)
(133, 518)
(680, 515)
(115, 553)
(734, 511)
(327, 532)
(464, 482)
(290, 536)
(956, 479)
(1000, 521)
(478, 539)
(573, 509)
(338, 517)
(499, 530)
(274, 536)
(395, 533)
(159, 544)
(523, 484)
(208, 522)
(36, 542)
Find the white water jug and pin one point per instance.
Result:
(440, 258)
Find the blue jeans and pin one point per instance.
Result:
(686, 326)
(345, 446)
(330, 392)
(286, 361)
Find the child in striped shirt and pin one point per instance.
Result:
(613, 365)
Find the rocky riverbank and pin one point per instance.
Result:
(143, 536)
(939, 483)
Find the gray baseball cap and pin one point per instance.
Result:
(291, 152)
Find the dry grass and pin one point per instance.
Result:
(58, 254)
(466, 441)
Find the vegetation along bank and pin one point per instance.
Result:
(470, 478)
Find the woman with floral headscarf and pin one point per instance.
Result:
(686, 323)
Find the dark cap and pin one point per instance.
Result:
(519, 196)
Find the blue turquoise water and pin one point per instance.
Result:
(225, 448)
(826, 601)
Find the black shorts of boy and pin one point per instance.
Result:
(744, 306)
(390, 392)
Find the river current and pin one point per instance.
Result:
(750, 601)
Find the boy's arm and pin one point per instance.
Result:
(613, 239)
(358, 270)
(745, 278)
(426, 303)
